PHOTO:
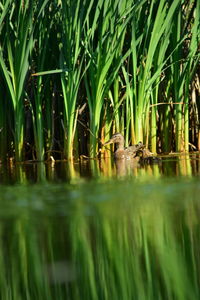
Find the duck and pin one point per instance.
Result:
(124, 152)
(147, 157)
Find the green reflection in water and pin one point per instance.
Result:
(169, 166)
(112, 239)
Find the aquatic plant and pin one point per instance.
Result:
(105, 66)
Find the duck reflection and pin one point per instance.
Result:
(126, 167)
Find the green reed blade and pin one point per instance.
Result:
(14, 61)
(72, 57)
(100, 75)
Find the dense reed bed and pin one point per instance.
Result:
(72, 73)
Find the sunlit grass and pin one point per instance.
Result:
(99, 67)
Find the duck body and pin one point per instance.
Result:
(128, 152)
(124, 152)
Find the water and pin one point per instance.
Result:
(94, 230)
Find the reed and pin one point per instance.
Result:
(15, 51)
(187, 73)
(104, 46)
(73, 18)
(130, 64)
(17, 45)
(150, 61)
(40, 84)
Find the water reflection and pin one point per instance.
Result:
(100, 229)
(183, 165)
(101, 240)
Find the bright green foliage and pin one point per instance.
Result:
(100, 67)
(109, 25)
(183, 70)
(73, 17)
(16, 46)
(40, 52)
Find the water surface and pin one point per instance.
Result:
(95, 230)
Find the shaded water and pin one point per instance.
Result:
(94, 230)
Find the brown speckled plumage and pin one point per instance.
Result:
(124, 152)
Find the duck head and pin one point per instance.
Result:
(118, 139)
